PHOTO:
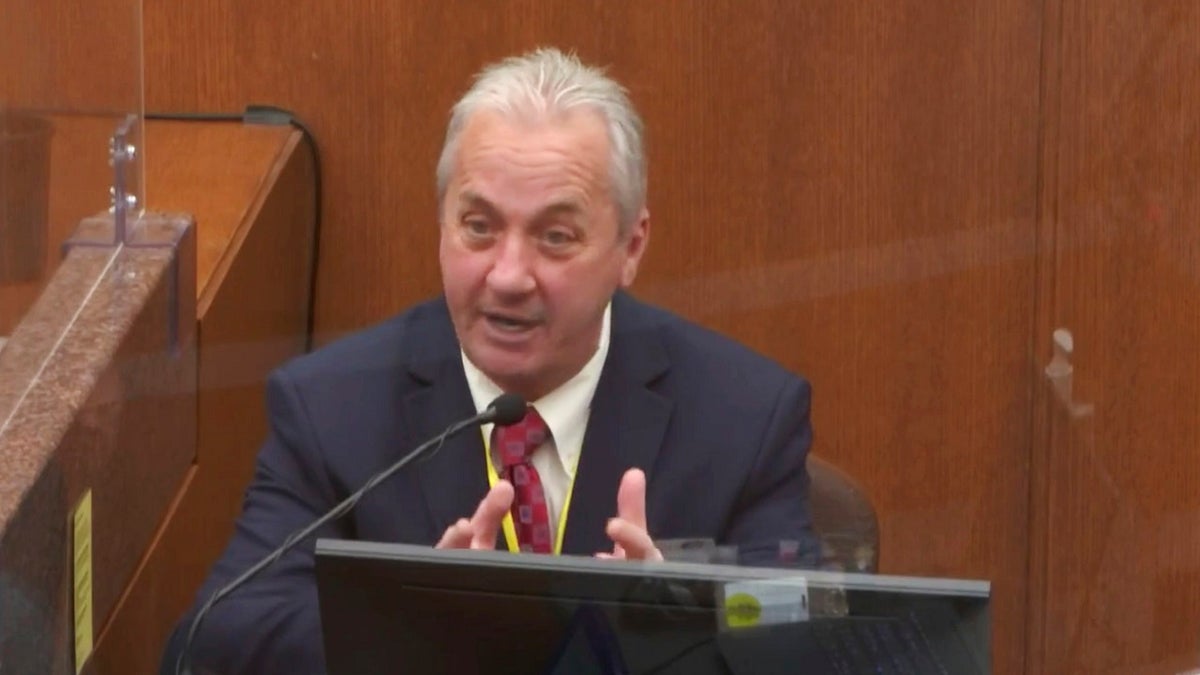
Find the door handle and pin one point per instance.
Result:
(1061, 373)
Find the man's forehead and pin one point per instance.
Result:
(531, 119)
(498, 168)
(582, 131)
(562, 201)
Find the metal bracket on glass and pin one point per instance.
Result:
(127, 226)
(115, 228)
(1061, 373)
(122, 157)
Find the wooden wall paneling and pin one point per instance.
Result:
(885, 248)
(1047, 411)
(83, 57)
(849, 188)
(1120, 562)
(255, 216)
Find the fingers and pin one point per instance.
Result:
(480, 531)
(631, 498)
(632, 539)
(457, 535)
(489, 515)
(617, 553)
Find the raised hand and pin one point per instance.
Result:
(631, 539)
(480, 531)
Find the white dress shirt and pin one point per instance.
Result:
(565, 410)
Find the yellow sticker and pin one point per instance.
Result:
(81, 553)
(765, 602)
(742, 610)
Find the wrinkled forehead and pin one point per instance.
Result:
(580, 131)
(561, 160)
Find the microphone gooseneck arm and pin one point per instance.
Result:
(501, 412)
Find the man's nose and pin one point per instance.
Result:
(512, 269)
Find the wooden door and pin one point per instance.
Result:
(1115, 566)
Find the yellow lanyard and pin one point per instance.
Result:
(510, 531)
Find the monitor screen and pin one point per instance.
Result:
(393, 607)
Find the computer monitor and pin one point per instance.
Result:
(397, 608)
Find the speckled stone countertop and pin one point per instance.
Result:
(97, 392)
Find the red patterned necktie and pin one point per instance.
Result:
(514, 446)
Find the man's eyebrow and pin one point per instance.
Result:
(568, 207)
(565, 206)
(476, 200)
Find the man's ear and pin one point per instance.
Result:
(635, 245)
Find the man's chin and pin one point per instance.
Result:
(503, 368)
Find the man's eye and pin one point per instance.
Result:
(557, 237)
(476, 227)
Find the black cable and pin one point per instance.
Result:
(195, 117)
(264, 114)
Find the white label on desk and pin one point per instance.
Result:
(763, 603)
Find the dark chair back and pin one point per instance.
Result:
(843, 518)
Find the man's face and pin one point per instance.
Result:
(530, 250)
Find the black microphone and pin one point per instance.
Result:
(506, 409)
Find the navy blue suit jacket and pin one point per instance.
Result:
(721, 432)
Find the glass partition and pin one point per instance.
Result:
(70, 150)
(70, 135)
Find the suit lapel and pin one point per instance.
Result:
(454, 479)
(625, 428)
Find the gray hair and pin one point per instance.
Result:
(547, 82)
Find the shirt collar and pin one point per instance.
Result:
(565, 409)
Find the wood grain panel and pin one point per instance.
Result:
(1117, 561)
(848, 187)
(71, 56)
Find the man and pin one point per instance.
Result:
(641, 424)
